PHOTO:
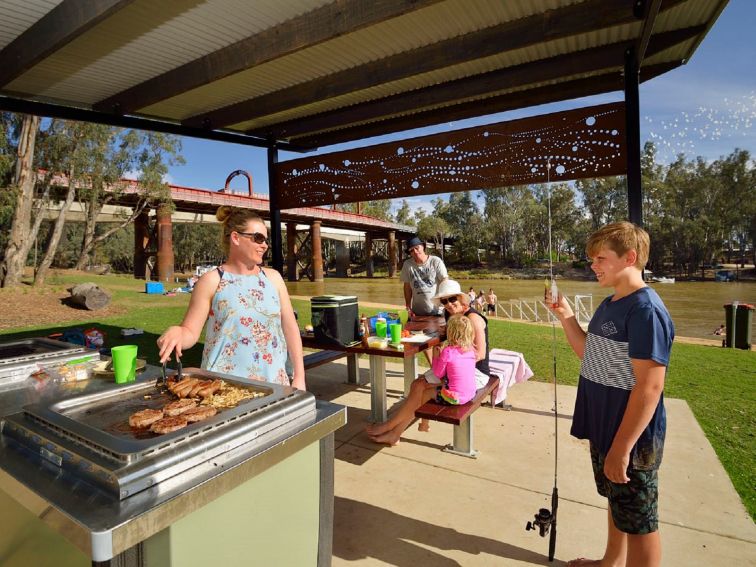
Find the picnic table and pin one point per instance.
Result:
(431, 329)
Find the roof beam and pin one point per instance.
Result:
(550, 25)
(140, 123)
(598, 84)
(319, 25)
(592, 60)
(650, 11)
(59, 27)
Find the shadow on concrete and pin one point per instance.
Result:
(540, 412)
(363, 531)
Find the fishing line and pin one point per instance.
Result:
(546, 520)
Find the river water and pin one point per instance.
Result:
(696, 307)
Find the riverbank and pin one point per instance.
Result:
(400, 308)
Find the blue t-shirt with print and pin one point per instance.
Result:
(636, 326)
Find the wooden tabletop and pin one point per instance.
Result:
(429, 325)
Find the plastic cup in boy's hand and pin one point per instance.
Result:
(124, 363)
(396, 332)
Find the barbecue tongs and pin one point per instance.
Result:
(162, 380)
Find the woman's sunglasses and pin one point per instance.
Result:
(445, 300)
(258, 237)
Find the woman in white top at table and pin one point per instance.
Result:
(455, 302)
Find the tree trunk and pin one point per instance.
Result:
(90, 243)
(93, 209)
(19, 242)
(52, 247)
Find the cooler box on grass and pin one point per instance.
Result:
(334, 318)
(153, 287)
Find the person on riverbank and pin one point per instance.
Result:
(480, 302)
(454, 302)
(421, 275)
(250, 326)
(491, 300)
(620, 403)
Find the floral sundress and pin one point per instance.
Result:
(244, 336)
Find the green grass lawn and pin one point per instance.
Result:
(718, 384)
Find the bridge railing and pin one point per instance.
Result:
(535, 310)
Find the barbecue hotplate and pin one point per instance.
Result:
(34, 348)
(19, 359)
(90, 434)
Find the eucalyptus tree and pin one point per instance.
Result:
(465, 222)
(604, 200)
(433, 228)
(380, 208)
(8, 123)
(565, 215)
(90, 161)
(734, 174)
(66, 150)
(503, 212)
(8, 126)
(403, 214)
(196, 243)
(655, 212)
(149, 154)
(19, 195)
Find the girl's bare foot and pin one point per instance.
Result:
(423, 426)
(388, 438)
(377, 428)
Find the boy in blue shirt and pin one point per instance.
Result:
(620, 403)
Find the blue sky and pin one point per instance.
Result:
(705, 108)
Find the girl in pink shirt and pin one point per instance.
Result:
(454, 366)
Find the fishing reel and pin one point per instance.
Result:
(542, 522)
(545, 521)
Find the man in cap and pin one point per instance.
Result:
(421, 275)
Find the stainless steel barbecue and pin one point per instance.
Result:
(19, 359)
(90, 435)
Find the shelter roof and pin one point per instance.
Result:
(308, 73)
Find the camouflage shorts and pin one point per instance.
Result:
(633, 505)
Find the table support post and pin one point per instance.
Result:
(353, 369)
(377, 388)
(410, 373)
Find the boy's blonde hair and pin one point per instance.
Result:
(459, 332)
(621, 237)
(234, 219)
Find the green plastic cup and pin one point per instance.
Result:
(380, 328)
(124, 363)
(396, 332)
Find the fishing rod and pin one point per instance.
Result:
(545, 520)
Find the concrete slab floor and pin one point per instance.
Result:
(414, 505)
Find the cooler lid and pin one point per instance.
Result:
(334, 299)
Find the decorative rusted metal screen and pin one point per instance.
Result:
(582, 143)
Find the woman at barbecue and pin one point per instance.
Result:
(250, 326)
